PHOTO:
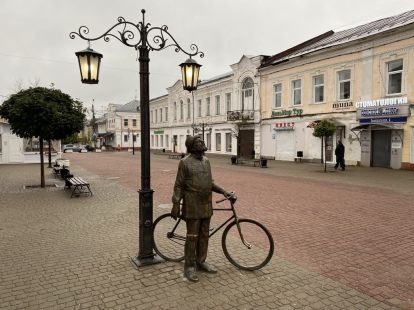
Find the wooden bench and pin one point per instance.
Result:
(175, 156)
(250, 162)
(80, 186)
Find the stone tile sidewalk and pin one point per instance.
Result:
(62, 253)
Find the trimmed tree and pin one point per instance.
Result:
(323, 130)
(46, 113)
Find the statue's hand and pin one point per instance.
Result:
(230, 196)
(175, 211)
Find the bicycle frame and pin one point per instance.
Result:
(234, 216)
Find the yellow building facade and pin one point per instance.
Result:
(361, 79)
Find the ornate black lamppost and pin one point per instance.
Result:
(143, 38)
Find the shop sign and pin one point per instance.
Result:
(381, 102)
(159, 132)
(383, 120)
(381, 112)
(288, 113)
(343, 105)
(284, 126)
(396, 145)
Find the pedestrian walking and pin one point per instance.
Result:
(194, 186)
(340, 155)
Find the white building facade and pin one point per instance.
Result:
(15, 150)
(224, 109)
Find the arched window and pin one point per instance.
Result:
(181, 110)
(248, 94)
(188, 108)
(175, 110)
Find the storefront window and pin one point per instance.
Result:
(218, 142)
(208, 136)
(395, 69)
(228, 142)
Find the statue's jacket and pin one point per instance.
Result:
(194, 186)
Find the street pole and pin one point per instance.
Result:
(193, 125)
(133, 147)
(137, 36)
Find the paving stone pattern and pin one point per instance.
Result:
(62, 253)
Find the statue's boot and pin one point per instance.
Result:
(204, 266)
(189, 255)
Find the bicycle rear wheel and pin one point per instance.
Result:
(169, 237)
(257, 251)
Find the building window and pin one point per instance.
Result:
(166, 114)
(152, 140)
(318, 88)
(125, 122)
(297, 92)
(199, 108)
(277, 96)
(188, 109)
(208, 106)
(344, 80)
(228, 142)
(247, 94)
(218, 105)
(160, 115)
(134, 138)
(152, 117)
(395, 70)
(167, 140)
(162, 141)
(134, 123)
(156, 140)
(208, 138)
(125, 138)
(181, 110)
(175, 111)
(218, 142)
(156, 115)
(228, 101)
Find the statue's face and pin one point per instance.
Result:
(199, 146)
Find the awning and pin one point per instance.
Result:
(106, 134)
(385, 126)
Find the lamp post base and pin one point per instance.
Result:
(140, 262)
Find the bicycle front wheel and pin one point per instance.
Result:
(169, 237)
(251, 248)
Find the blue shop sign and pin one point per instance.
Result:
(383, 120)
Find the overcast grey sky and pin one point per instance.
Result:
(35, 43)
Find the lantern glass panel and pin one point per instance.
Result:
(83, 64)
(94, 65)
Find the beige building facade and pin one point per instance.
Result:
(361, 79)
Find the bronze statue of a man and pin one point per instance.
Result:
(194, 186)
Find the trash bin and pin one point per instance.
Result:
(263, 162)
(233, 160)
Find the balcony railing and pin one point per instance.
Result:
(240, 115)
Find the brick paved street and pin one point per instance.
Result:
(344, 240)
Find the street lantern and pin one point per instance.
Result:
(190, 70)
(89, 63)
(143, 38)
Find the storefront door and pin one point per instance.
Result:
(329, 149)
(246, 143)
(381, 148)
